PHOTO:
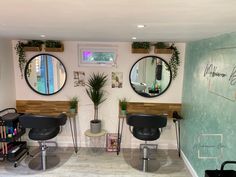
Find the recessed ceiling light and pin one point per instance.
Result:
(42, 35)
(134, 38)
(140, 26)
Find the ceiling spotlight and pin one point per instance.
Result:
(134, 38)
(42, 35)
(140, 26)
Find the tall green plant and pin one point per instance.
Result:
(95, 91)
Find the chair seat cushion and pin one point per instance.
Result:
(43, 134)
(146, 134)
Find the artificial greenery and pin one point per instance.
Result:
(34, 43)
(123, 103)
(53, 44)
(95, 91)
(141, 45)
(74, 102)
(174, 61)
(21, 56)
(161, 45)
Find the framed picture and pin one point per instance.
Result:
(112, 142)
(117, 79)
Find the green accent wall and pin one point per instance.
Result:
(208, 131)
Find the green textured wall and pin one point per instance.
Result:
(209, 103)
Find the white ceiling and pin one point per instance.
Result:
(116, 20)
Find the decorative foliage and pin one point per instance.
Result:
(52, 44)
(95, 91)
(174, 61)
(34, 43)
(74, 102)
(21, 54)
(161, 45)
(141, 45)
(123, 103)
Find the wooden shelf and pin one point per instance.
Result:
(61, 49)
(163, 51)
(32, 49)
(140, 50)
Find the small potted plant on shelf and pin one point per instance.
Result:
(123, 106)
(53, 46)
(141, 47)
(95, 84)
(74, 104)
(33, 45)
(162, 48)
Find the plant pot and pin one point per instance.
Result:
(95, 126)
(72, 110)
(163, 51)
(48, 49)
(123, 112)
(140, 50)
(32, 49)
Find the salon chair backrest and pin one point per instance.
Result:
(146, 120)
(39, 121)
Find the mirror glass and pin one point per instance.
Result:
(150, 76)
(45, 74)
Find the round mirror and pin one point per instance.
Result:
(45, 74)
(150, 76)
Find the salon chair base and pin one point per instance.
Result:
(42, 160)
(146, 155)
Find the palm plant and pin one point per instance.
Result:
(95, 91)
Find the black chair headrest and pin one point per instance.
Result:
(42, 121)
(146, 120)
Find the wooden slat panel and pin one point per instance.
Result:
(153, 108)
(42, 107)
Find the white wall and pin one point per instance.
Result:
(108, 111)
(7, 80)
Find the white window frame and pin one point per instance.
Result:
(97, 48)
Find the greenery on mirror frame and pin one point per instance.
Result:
(73, 103)
(52, 44)
(123, 103)
(161, 45)
(174, 61)
(21, 56)
(141, 45)
(95, 91)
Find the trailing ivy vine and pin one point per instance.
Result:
(21, 56)
(174, 61)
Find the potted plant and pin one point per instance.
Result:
(162, 48)
(141, 47)
(123, 106)
(53, 46)
(95, 91)
(73, 104)
(33, 45)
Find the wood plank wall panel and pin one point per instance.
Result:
(153, 108)
(42, 107)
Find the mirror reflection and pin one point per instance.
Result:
(45, 74)
(150, 76)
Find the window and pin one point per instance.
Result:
(97, 55)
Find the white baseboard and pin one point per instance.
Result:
(189, 166)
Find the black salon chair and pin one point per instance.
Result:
(42, 128)
(146, 127)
